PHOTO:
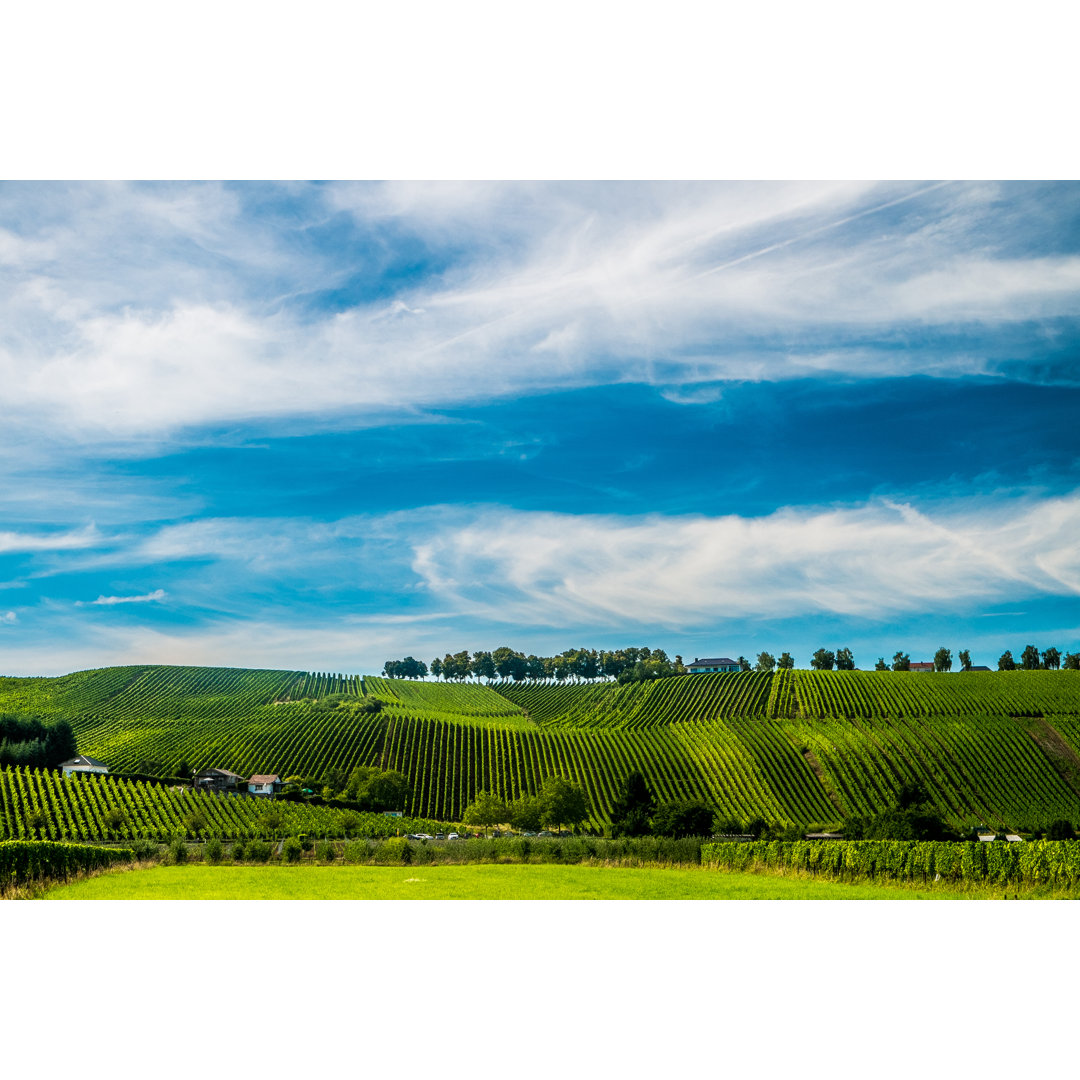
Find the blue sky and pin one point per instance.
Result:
(323, 425)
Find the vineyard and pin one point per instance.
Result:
(43, 805)
(799, 747)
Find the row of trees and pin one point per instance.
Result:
(578, 665)
(632, 665)
(33, 743)
(560, 802)
(1031, 660)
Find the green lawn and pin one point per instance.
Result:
(478, 882)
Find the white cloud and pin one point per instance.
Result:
(139, 311)
(870, 561)
(65, 541)
(8, 618)
(157, 594)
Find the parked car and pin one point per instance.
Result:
(545, 832)
(528, 834)
(452, 836)
(440, 836)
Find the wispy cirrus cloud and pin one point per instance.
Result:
(109, 601)
(144, 310)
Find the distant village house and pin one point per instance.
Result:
(217, 780)
(268, 785)
(922, 666)
(717, 663)
(84, 764)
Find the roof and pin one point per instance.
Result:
(714, 661)
(267, 778)
(82, 759)
(987, 838)
(978, 667)
(219, 772)
(922, 665)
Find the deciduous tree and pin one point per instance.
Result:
(943, 659)
(844, 660)
(823, 660)
(901, 661)
(765, 661)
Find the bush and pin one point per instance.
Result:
(291, 850)
(178, 852)
(1060, 830)
(324, 851)
(238, 853)
(356, 852)
(395, 850)
(214, 851)
(145, 850)
(258, 851)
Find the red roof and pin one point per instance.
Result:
(922, 666)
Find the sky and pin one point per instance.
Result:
(320, 426)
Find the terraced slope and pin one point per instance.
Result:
(801, 747)
(644, 704)
(44, 805)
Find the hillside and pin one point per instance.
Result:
(1000, 747)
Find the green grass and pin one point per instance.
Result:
(482, 882)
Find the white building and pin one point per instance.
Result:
(84, 764)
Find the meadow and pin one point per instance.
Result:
(483, 882)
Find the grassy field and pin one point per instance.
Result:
(482, 882)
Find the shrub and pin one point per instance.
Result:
(178, 852)
(213, 851)
(357, 851)
(258, 851)
(395, 850)
(292, 849)
(1060, 830)
(238, 853)
(324, 851)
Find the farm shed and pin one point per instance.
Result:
(267, 784)
(715, 663)
(84, 764)
(217, 780)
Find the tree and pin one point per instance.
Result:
(786, 661)
(1006, 661)
(744, 664)
(633, 808)
(901, 661)
(1051, 659)
(483, 666)
(388, 790)
(527, 813)
(564, 802)
(1060, 830)
(881, 665)
(509, 664)
(1071, 661)
(59, 744)
(1029, 658)
(844, 660)
(943, 659)
(688, 817)
(486, 810)
(436, 667)
(912, 794)
(823, 660)
(765, 662)
(965, 659)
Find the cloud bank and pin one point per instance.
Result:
(136, 311)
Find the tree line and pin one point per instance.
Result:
(640, 664)
(577, 665)
(32, 743)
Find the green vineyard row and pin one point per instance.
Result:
(43, 805)
(793, 746)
